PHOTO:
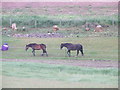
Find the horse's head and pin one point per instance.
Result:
(61, 46)
(26, 48)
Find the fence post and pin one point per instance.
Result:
(113, 23)
(35, 23)
(10, 22)
(60, 23)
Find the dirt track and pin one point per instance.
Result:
(81, 63)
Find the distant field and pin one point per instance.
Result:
(64, 15)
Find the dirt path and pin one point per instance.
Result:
(83, 63)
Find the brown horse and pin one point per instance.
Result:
(35, 46)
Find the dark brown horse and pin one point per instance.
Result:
(71, 46)
(35, 46)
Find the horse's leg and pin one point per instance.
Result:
(77, 52)
(46, 54)
(33, 52)
(68, 52)
(82, 52)
(44, 51)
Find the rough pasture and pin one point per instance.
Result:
(59, 73)
(98, 66)
(96, 69)
(92, 48)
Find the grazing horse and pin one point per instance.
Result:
(55, 28)
(71, 46)
(35, 46)
(98, 28)
(14, 26)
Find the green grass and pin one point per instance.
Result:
(97, 48)
(59, 72)
(65, 20)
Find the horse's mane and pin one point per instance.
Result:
(67, 43)
(31, 44)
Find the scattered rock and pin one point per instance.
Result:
(40, 35)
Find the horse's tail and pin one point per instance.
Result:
(43, 45)
(81, 47)
(82, 50)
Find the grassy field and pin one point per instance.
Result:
(71, 18)
(96, 48)
(68, 74)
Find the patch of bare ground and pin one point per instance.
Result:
(81, 63)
